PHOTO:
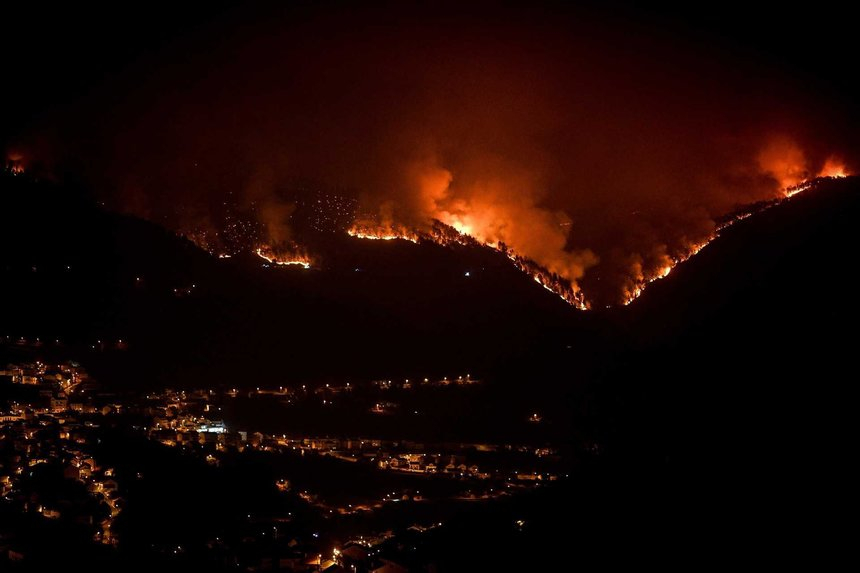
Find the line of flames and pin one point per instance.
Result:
(384, 233)
(661, 273)
(271, 256)
(556, 285)
(282, 260)
(445, 235)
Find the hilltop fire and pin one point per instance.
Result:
(382, 233)
(832, 169)
(641, 282)
(446, 234)
(601, 155)
(283, 259)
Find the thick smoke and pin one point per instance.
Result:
(783, 160)
(500, 205)
(601, 149)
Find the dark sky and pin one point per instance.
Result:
(597, 140)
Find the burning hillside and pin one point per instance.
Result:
(284, 258)
(599, 154)
(445, 235)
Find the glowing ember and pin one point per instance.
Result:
(267, 254)
(207, 241)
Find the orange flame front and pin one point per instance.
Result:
(382, 232)
(282, 259)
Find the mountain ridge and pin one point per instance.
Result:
(438, 308)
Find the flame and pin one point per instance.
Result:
(534, 239)
(283, 259)
(446, 235)
(382, 233)
(783, 160)
(796, 189)
(552, 282)
(641, 281)
(463, 225)
(833, 167)
(15, 163)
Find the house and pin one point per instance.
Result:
(5, 484)
(255, 439)
(187, 437)
(51, 513)
(59, 404)
(72, 472)
(354, 555)
(109, 485)
(232, 439)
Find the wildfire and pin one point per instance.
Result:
(662, 272)
(211, 243)
(206, 240)
(548, 280)
(447, 235)
(461, 229)
(832, 169)
(796, 189)
(15, 163)
(383, 233)
(271, 257)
